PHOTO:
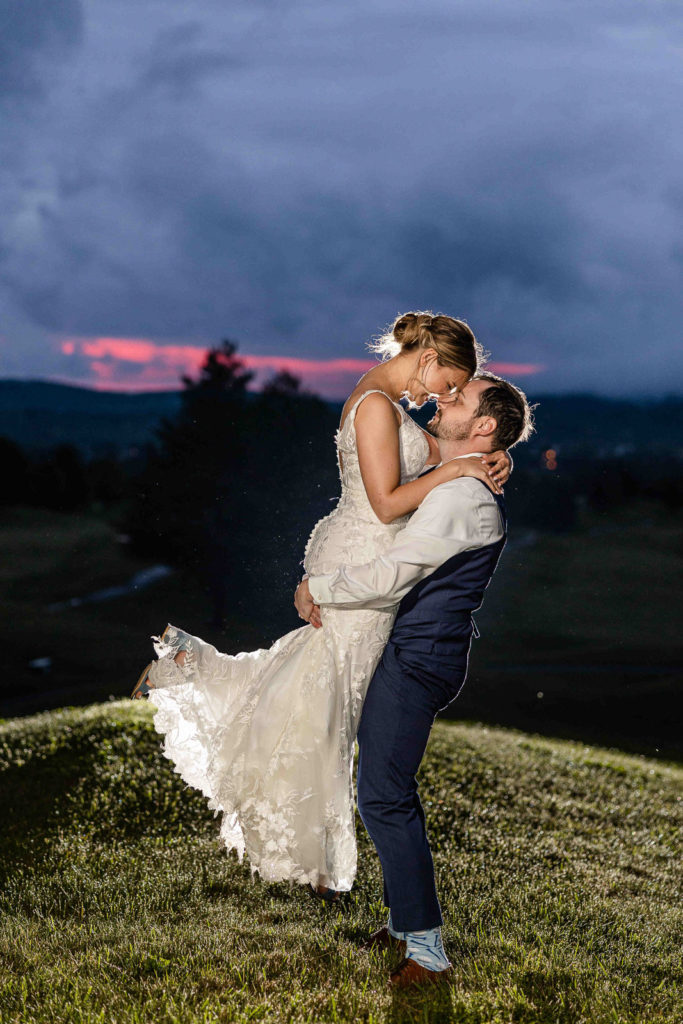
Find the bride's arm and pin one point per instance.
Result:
(377, 442)
(499, 462)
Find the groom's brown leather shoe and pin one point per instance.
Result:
(409, 973)
(383, 939)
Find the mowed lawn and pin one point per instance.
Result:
(558, 867)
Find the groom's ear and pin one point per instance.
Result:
(486, 426)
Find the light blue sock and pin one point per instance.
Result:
(426, 948)
(392, 930)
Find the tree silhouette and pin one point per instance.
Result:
(233, 485)
(185, 508)
(222, 371)
(14, 488)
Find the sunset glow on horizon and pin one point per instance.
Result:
(138, 364)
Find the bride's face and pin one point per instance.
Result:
(433, 381)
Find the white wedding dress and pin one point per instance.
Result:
(268, 735)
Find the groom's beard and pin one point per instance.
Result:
(445, 432)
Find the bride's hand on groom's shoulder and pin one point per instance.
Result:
(499, 465)
(472, 465)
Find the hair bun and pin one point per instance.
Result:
(452, 340)
(407, 329)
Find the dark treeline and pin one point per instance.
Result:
(232, 485)
(60, 478)
(552, 500)
(235, 483)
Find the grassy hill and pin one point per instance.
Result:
(557, 867)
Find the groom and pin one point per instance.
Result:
(438, 567)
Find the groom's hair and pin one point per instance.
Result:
(510, 409)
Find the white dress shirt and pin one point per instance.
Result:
(455, 516)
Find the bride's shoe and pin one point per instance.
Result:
(323, 893)
(144, 683)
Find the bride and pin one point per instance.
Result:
(268, 735)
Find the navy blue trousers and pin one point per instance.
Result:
(403, 698)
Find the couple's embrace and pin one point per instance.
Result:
(268, 735)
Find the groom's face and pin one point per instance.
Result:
(455, 416)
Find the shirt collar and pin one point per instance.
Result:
(466, 456)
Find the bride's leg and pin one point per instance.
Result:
(183, 658)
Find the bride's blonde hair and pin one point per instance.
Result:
(452, 340)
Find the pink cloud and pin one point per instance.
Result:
(138, 364)
(138, 350)
(515, 369)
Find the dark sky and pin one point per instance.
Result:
(293, 175)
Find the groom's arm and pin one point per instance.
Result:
(455, 516)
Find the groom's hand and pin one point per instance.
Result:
(305, 605)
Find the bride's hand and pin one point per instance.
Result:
(500, 465)
(474, 466)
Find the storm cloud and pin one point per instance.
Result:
(293, 175)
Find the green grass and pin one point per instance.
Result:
(557, 869)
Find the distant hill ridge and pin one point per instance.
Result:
(39, 414)
(57, 397)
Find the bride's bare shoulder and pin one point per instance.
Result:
(377, 404)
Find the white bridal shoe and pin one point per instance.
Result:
(163, 668)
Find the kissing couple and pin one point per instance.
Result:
(392, 576)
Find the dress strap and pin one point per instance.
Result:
(351, 415)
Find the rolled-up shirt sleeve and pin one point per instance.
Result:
(456, 516)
